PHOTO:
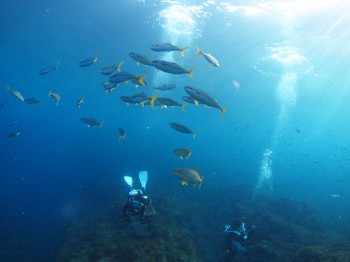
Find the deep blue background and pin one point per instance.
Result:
(59, 170)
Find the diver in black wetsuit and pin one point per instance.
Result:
(234, 236)
(135, 207)
(138, 206)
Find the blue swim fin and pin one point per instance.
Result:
(128, 180)
(143, 176)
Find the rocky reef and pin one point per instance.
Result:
(188, 226)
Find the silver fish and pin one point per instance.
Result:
(212, 60)
(15, 93)
(80, 102)
(55, 97)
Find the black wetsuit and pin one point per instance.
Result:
(233, 241)
(135, 207)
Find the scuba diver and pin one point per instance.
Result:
(138, 207)
(234, 236)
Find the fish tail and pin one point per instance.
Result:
(101, 124)
(191, 72)
(198, 51)
(119, 65)
(140, 79)
(50, 92)
(199, 186)
(223, 110)
(182, 50)
(153, 98)
(183, 106)
(95, 59)
(194, 135)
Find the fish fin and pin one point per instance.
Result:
(191, 71)
(180, 157)
(137, 63)
(136, 86)
(189, 154)
(120, 138)
(196, 102)
(140, 79)
(95, 59)
(184, 183)
(198, 51)
(194, 135)
(182, 50)
(119, 65)
(153, 98)
(101, 124)
(223, 110)
(199, 186)
(49, 92)
(183, 106)
(143, 104)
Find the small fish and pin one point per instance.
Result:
(182, 129)
(92, 122)
(49, 69)
(188, 175)
(55, 97)
(13, 134)
(164, 87)
(125, 76)
(15, 93)
(205, 98)
(212, 60)
(139, 99)
(167, 47)
(110, 69)
(80, 102)
(33, 101)
(141, 59)
(88, 62)
(122, 134)
(172, 68)
(170, 102)
(108, 87)
(182, 152)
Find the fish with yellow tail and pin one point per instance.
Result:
(111, 69)
(212, 60)
(122, 134)
(172, 68)
(89, 61)
(188, 175)
(203, 97)
(167, 47)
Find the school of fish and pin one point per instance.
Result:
(115, 77)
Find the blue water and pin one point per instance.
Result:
(283, 74)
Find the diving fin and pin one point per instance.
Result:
(128, 180)
(143, 176)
